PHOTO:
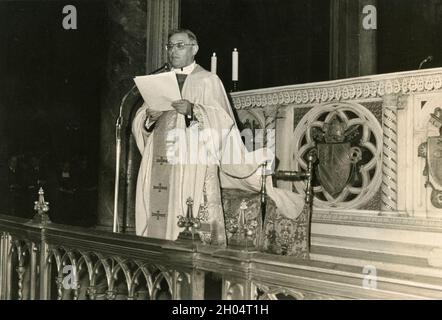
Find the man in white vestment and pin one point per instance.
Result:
(193, 151)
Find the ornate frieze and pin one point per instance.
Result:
(341, 90)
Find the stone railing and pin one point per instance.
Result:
(61, 262)
(41, 260)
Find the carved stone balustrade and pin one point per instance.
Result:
(63, 262)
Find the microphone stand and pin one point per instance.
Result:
(118, 125)
(263, 194)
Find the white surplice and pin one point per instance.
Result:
(218, 141)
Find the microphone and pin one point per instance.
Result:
(164, 67)
(427, 59)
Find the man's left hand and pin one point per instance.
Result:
(182, 106)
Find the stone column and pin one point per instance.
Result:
(270, 114)
(162, 17)
(353, 49)
(389, 160)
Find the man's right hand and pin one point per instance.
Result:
(151, 118)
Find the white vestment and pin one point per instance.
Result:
(205, 157)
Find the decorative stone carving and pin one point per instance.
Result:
(431, 150)
(389, 177)
(365, 150)
(377, 86)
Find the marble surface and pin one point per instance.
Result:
(126, 57)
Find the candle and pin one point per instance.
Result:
(213, 63)
(235, 65)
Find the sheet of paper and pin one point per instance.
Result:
(159, 90)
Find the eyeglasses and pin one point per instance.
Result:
(178, 45)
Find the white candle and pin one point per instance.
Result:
(235, 65)
(213, 63)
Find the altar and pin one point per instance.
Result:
(376, 187)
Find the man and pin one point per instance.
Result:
(188, 152)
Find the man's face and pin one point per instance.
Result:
(180, 58)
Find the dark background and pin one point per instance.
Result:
(51, 79)
(409, 31)
(279, 42)
(287, 42)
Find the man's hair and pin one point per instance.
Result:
(190, 34)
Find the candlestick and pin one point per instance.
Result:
(235, 65)
(213, 63)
